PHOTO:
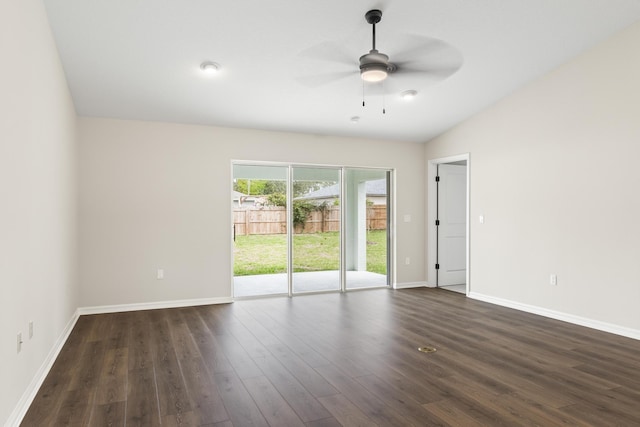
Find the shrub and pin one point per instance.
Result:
(277, 199)
(301, 210)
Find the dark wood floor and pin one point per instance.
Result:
(329, 360)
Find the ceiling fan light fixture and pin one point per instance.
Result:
(374, 73)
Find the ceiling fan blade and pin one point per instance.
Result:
(324, 79)
(427, 50)
(331, 52)
(433, 72)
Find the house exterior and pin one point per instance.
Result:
(376, 193)
(244, 201)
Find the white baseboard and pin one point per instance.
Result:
(407, 285)
(152, 305)
(30, 393)
(565, 317)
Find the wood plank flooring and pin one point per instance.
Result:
(332, 359)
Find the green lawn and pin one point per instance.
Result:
(267, 254)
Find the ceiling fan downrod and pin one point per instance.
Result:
(373, 17)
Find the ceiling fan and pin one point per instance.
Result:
(429, 59)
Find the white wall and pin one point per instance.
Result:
(554, 170)
(157, 195)
(37, 197)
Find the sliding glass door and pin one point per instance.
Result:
(260, 224)
(316, 229)
(366, 227)
(301, 228)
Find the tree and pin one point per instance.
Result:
(264, 187)
(277, 199)
(273, 187)
(250, 186)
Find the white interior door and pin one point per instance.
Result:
(452, 212)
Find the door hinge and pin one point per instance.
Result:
(437, 222)
(437, 179)
(437, 266)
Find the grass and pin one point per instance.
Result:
(267, 254)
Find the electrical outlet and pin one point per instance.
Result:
(31, 329)
(407, 261)
(553, 280)
(160, 274)
(19, 342)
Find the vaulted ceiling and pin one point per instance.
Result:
(292, 65)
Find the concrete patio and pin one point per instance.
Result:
(276, 284)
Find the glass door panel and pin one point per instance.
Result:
(259, 230)
(316, 229)
(366, 227)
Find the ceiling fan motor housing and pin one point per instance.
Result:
(373, 58)
(375, 66)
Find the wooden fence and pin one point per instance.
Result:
(273, 220)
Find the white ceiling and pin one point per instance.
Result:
(139, 59)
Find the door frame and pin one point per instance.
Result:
(432, 211)
(391, 223)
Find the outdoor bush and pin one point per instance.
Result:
(301, 210)
(277, 199)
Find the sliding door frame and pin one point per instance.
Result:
(391, 223)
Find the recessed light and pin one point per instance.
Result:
(408, 95)
(209, 68)
(355, 119)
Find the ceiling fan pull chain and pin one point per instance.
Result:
(363, 93)
(384, 110)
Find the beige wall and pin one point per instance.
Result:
(554, 170)
(157, 195)
(37, 197)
